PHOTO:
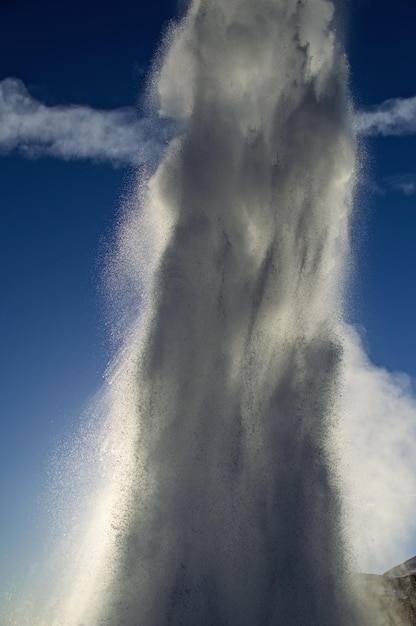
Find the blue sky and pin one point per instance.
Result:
(56, 221)
(58, 213)
(381, 46)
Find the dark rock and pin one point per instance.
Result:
(394, 593)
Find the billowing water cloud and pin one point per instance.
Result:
(377, 446)
(233, 516)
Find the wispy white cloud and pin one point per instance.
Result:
(403, 183)
(399, 183)
(118, 136)
(396, 116)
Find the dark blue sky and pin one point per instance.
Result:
(57, 219)
(381, 45)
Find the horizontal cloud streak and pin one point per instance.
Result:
(77, 132)
(396, 116)
(403, 183)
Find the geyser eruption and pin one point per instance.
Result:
(232, 515)
(220, 502)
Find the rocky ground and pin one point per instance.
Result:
(394, 593)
